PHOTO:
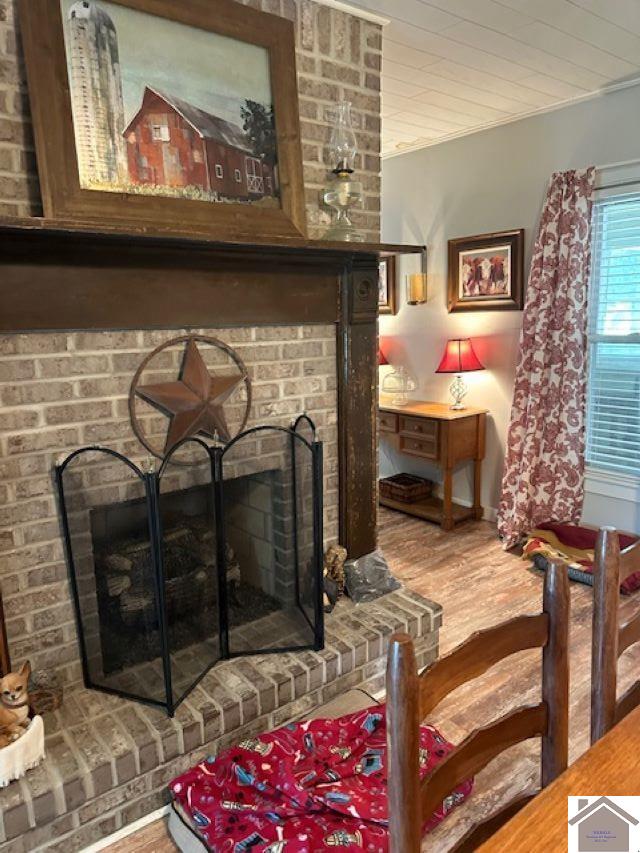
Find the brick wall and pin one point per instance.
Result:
(339, 57)
(61, 391)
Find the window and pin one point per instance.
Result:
(160, 132)
(238, 176)
(197, 156)
(613, 410)
(219, 171)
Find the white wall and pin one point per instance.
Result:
(489, 181)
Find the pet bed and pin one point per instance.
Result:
(180, 829)
(179, 824)
(308, 786)
(573, 545)
(22, 754)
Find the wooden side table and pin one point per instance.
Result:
(432, 431)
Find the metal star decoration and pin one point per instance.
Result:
(194, 402)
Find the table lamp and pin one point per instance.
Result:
(459, 357)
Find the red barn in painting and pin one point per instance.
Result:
(172, 143)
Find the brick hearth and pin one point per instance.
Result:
(109, 760)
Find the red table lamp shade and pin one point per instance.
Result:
(459, 357)
(382, 359)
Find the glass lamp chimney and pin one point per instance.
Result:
(342, 143)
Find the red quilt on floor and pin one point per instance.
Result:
(307, 787)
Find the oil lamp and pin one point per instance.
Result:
(343, 193)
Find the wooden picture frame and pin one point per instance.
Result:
(388, 286)
(65, 197)
(5, 659)
(486, 272)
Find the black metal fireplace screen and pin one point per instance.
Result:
(217, 554)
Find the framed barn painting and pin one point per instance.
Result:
(486, 272)
(158, 115)
(387, 286)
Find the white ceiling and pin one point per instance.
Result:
(451, 67)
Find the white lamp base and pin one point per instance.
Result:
(458, 390)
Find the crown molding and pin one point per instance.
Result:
(607, 90)
(356, 11)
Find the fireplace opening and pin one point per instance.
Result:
(124, 566)
(217, 554)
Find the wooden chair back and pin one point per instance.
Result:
(610, 638)
(410, 697)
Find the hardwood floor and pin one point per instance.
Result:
(478, 585)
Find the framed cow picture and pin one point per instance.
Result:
(486, 272)
(387, 286)
(179, 117)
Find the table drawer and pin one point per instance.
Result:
(420, 427)
(425, 447)
(387, 422)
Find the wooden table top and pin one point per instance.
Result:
(427, 409)
(610, 768)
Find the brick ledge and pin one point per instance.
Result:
(109, 760)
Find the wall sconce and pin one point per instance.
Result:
(416, 288)
(417, 284)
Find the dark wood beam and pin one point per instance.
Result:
(357, 405)
(53, 282)
(57, 276)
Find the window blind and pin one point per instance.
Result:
(613, 403)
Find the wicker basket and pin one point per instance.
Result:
(406, 488)
(45, 691)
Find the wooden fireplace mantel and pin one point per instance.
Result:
(57, 275)
(176, 235)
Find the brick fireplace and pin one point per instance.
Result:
(60, 391)
(80, 307)
(109, 759)
(303, 318)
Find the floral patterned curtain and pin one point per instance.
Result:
(543, 476)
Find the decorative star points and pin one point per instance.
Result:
(195, 401)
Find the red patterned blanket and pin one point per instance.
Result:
(574, 545)
(306, 787)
